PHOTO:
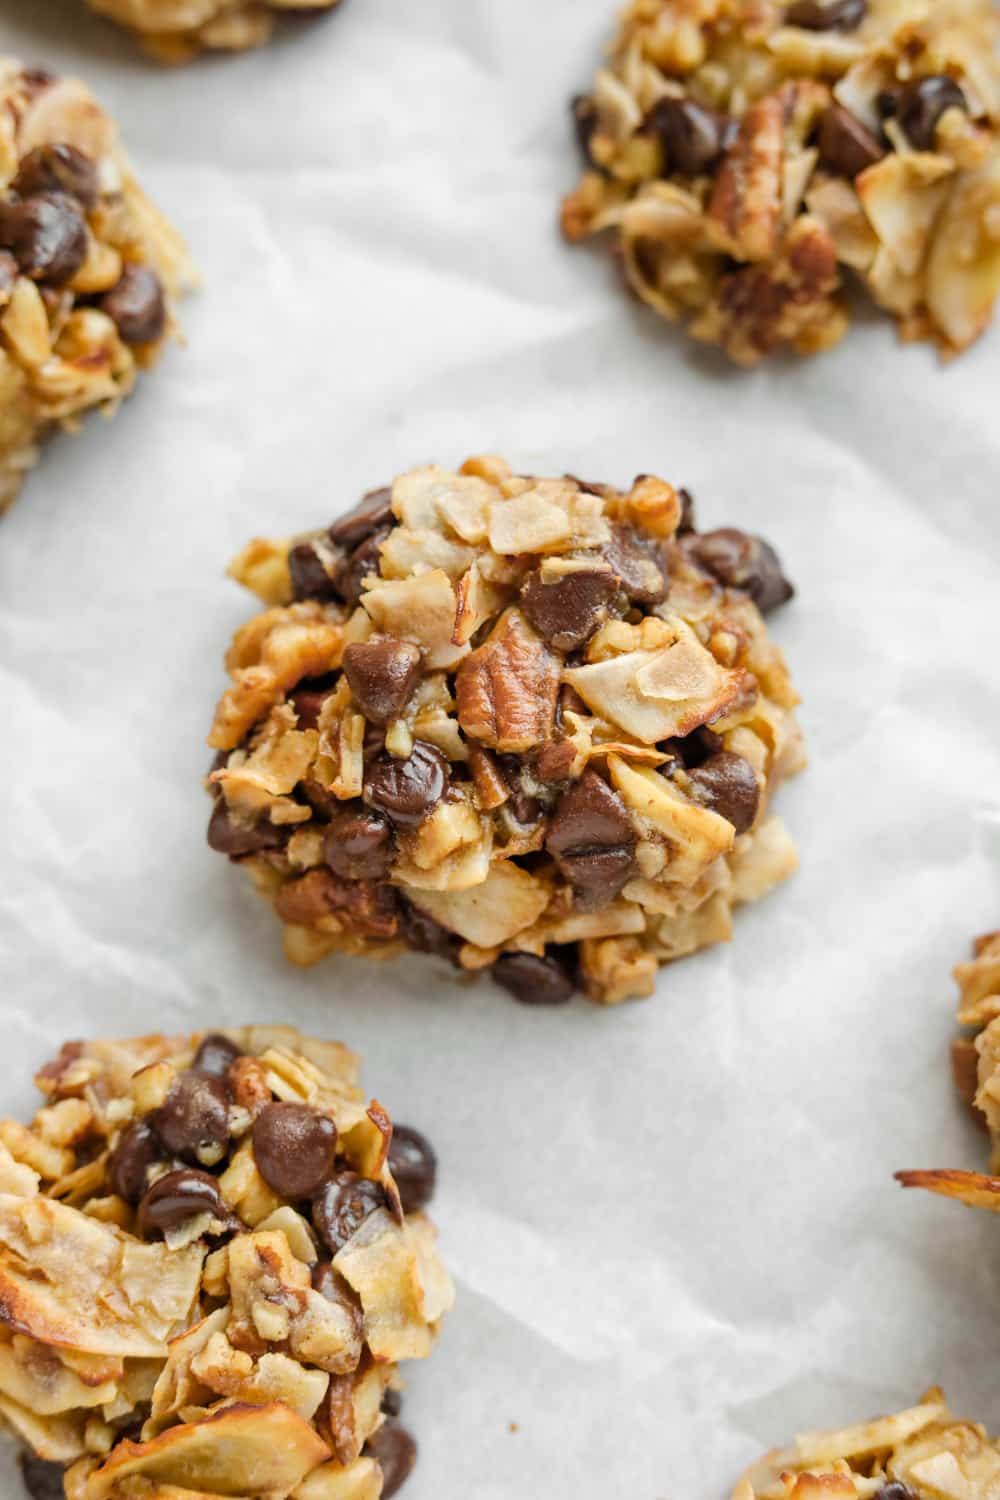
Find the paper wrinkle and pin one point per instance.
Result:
(673, 1224)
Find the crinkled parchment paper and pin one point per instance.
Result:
(673, 1224)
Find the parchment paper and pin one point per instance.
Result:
(673, 1224)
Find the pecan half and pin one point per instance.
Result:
(506, 690)
(746, 202)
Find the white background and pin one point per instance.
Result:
(673, 1225)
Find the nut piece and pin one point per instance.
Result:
(176, 31)
(507, 689)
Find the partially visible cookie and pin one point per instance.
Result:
(750, 159)
(923, 1453)
(174, 31)
(212, 1257)
(89, 269)
(531, 725)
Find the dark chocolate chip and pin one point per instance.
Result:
(695, 748)
(313, 571)
(136, 305)
(585, 120)
(216, 1054)
(227, 836)
(136, 1151)
(425, 935)
(921, 105)
(57, 168)
(687, 520)
(726, 784)
(568, 612)
(638, 565)
(533, 980)
(43, 1480)
(372, 512)
(592, 840)
(413, 1164)
(382, 676)
(358, 845)
(47, 236)
(407, 790)
(294, 1147)
(392, 1402)
(692, 137)
(343, 1205)
(846, 146)
(827, 15)
(894, 1490)
(395, 1452)
(364, 560)
(193, 1120)
(179, 1196)
(308, 699)
(740, 561)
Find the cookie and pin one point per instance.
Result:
(750, 160)
(213, 1254)
(89, 269)
(175, 31)
(531, 725)
(923, 1453)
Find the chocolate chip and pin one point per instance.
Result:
(585, 120)
(532, 979)
(638, 565)
(695, 748)
(592, 840)
(180, 1195)
(372, 511)
(359, 564)
(57, 168)
(687, 521)
(312, 569)
(726, 784)
(47, 236)
(921, 105)
(566, 613)
(846, 146)
(193, 1120)
(382, 676)
(692, 137)
(343, 1205)
(358, 845)
(216, 1054)
(308, 699)
(740, 561)
(227, 836)
(136, 1151)
(413, 1164)
(407, 790)
(894, 1490)
(425, 935)
(136, 305)
(395, 1452)
(294, 1147)
(43, 1480)
(392, 1402)
(827, 15)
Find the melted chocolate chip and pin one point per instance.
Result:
(227, 836)
(382, 675)
(216, 1055)
(413, 1164)
(568, 612)
(638, 565)
(177, 1197)
(532, 979)
(137, 306)
(740, 561)
(827, 15)
(407, 790)
(57, 168)
(193, 1120)
(693, 137)
(425, 935)
(395, 1452)
(135, 1152)
(921, 104)
(313, 571)
(726, 784)
(294, 1147)
(343, 1205)
(846, 146)
(44, 1480)
(592, 840)
(372, 511)
(47, 236)
(358, 845)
